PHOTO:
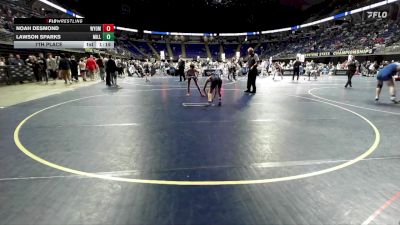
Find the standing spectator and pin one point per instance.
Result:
(111, 69)
(36, 69)
(252, 62)
(91, 67)
(57, 58)
(105, 59)
(31, 61)
(42, 68)
(372, 69)
(52, 67)
(367, 66)
(65, 69)
(146, 69)
(232, 69)
(181, 69)
(124, 67)
(100, 65)
(119, 67)
(278, 70)
(82, 68)
(74, 69)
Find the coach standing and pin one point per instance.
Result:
(252, 62)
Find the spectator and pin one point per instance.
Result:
(19, 61)
(82, 68)
(52, 67)
(65, 69)
(42, 68)
(11, 60)
(181, 69)
(111, 69)
(74, 69)
(91, 67)
(31, 62)
(100, 65)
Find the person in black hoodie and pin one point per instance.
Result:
(42, 68)
(64, 68)
(74, 69)
(111, 68)
(181, 69)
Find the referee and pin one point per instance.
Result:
(296, 69)
(351, 70)
(252, 63)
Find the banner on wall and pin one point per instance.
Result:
(341, 53)
(354, 52)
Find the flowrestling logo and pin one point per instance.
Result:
(377, 15)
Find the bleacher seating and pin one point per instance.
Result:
(161, 47)
(176, 49)
(144, 47)
(6, 37)
(133, 50)
(245, 46)
(230, 50)
(214, 50)
(194, 50)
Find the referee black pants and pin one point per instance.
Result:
(251, 80)
(296, 72)
(350, 74)
(181, 74)
(108, 78)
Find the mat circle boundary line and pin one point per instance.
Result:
(24, 150)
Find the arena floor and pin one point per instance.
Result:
(311, 152)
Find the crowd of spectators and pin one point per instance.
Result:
(53, 66)
(361, 36)
(266, 67)
(8, 12)
(364, 68)
(370, 36)
(11, 9)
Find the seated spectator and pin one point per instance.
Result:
(2, 61)
(11, 60)
(19, 61)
